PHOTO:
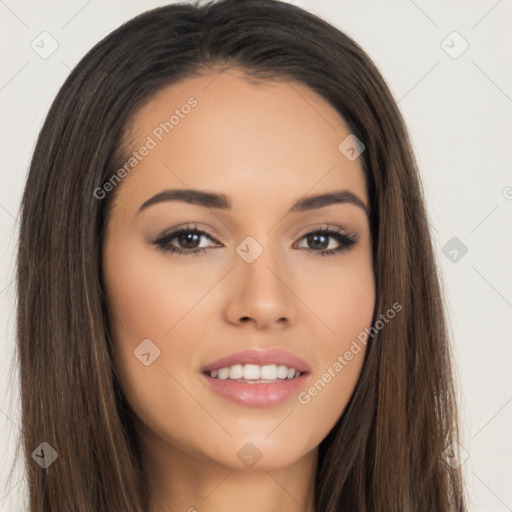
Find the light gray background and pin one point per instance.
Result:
(458, 112)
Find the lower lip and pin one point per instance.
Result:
(256, 395)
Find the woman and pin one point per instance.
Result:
(230, 296)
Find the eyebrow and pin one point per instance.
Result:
(221, 201)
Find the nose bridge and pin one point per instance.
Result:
(260, 291)
(261, 261)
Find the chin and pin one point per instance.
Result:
(258, 453)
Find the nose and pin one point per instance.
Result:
(261, 293)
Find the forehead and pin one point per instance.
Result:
(223, 132)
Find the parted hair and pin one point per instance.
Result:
(385, 452)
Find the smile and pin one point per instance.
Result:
(257, 378)
(253, 373)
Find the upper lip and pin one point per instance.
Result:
(260, 357)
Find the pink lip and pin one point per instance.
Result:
(263, 394)
(260, 357)
(256, 395)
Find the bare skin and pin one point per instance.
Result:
(265, 146)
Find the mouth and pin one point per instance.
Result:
(255, 374)
(256, 378)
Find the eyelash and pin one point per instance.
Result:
(346, 240)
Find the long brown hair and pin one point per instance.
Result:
(385, 452)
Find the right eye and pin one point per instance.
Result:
(185, 236)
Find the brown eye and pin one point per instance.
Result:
(317, 241)
(186, 240)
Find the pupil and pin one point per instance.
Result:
(315, 237)
(186, 238)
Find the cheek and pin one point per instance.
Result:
(148, 300)
(341, 295)
(345, 303)
(148, 296)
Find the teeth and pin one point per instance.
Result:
(282, 372)
(252, 371)
(269, 372)
(255, 373)
(236, 371)
(223, 373)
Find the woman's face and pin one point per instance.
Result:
(260, 282)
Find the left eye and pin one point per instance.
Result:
(319, 238)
